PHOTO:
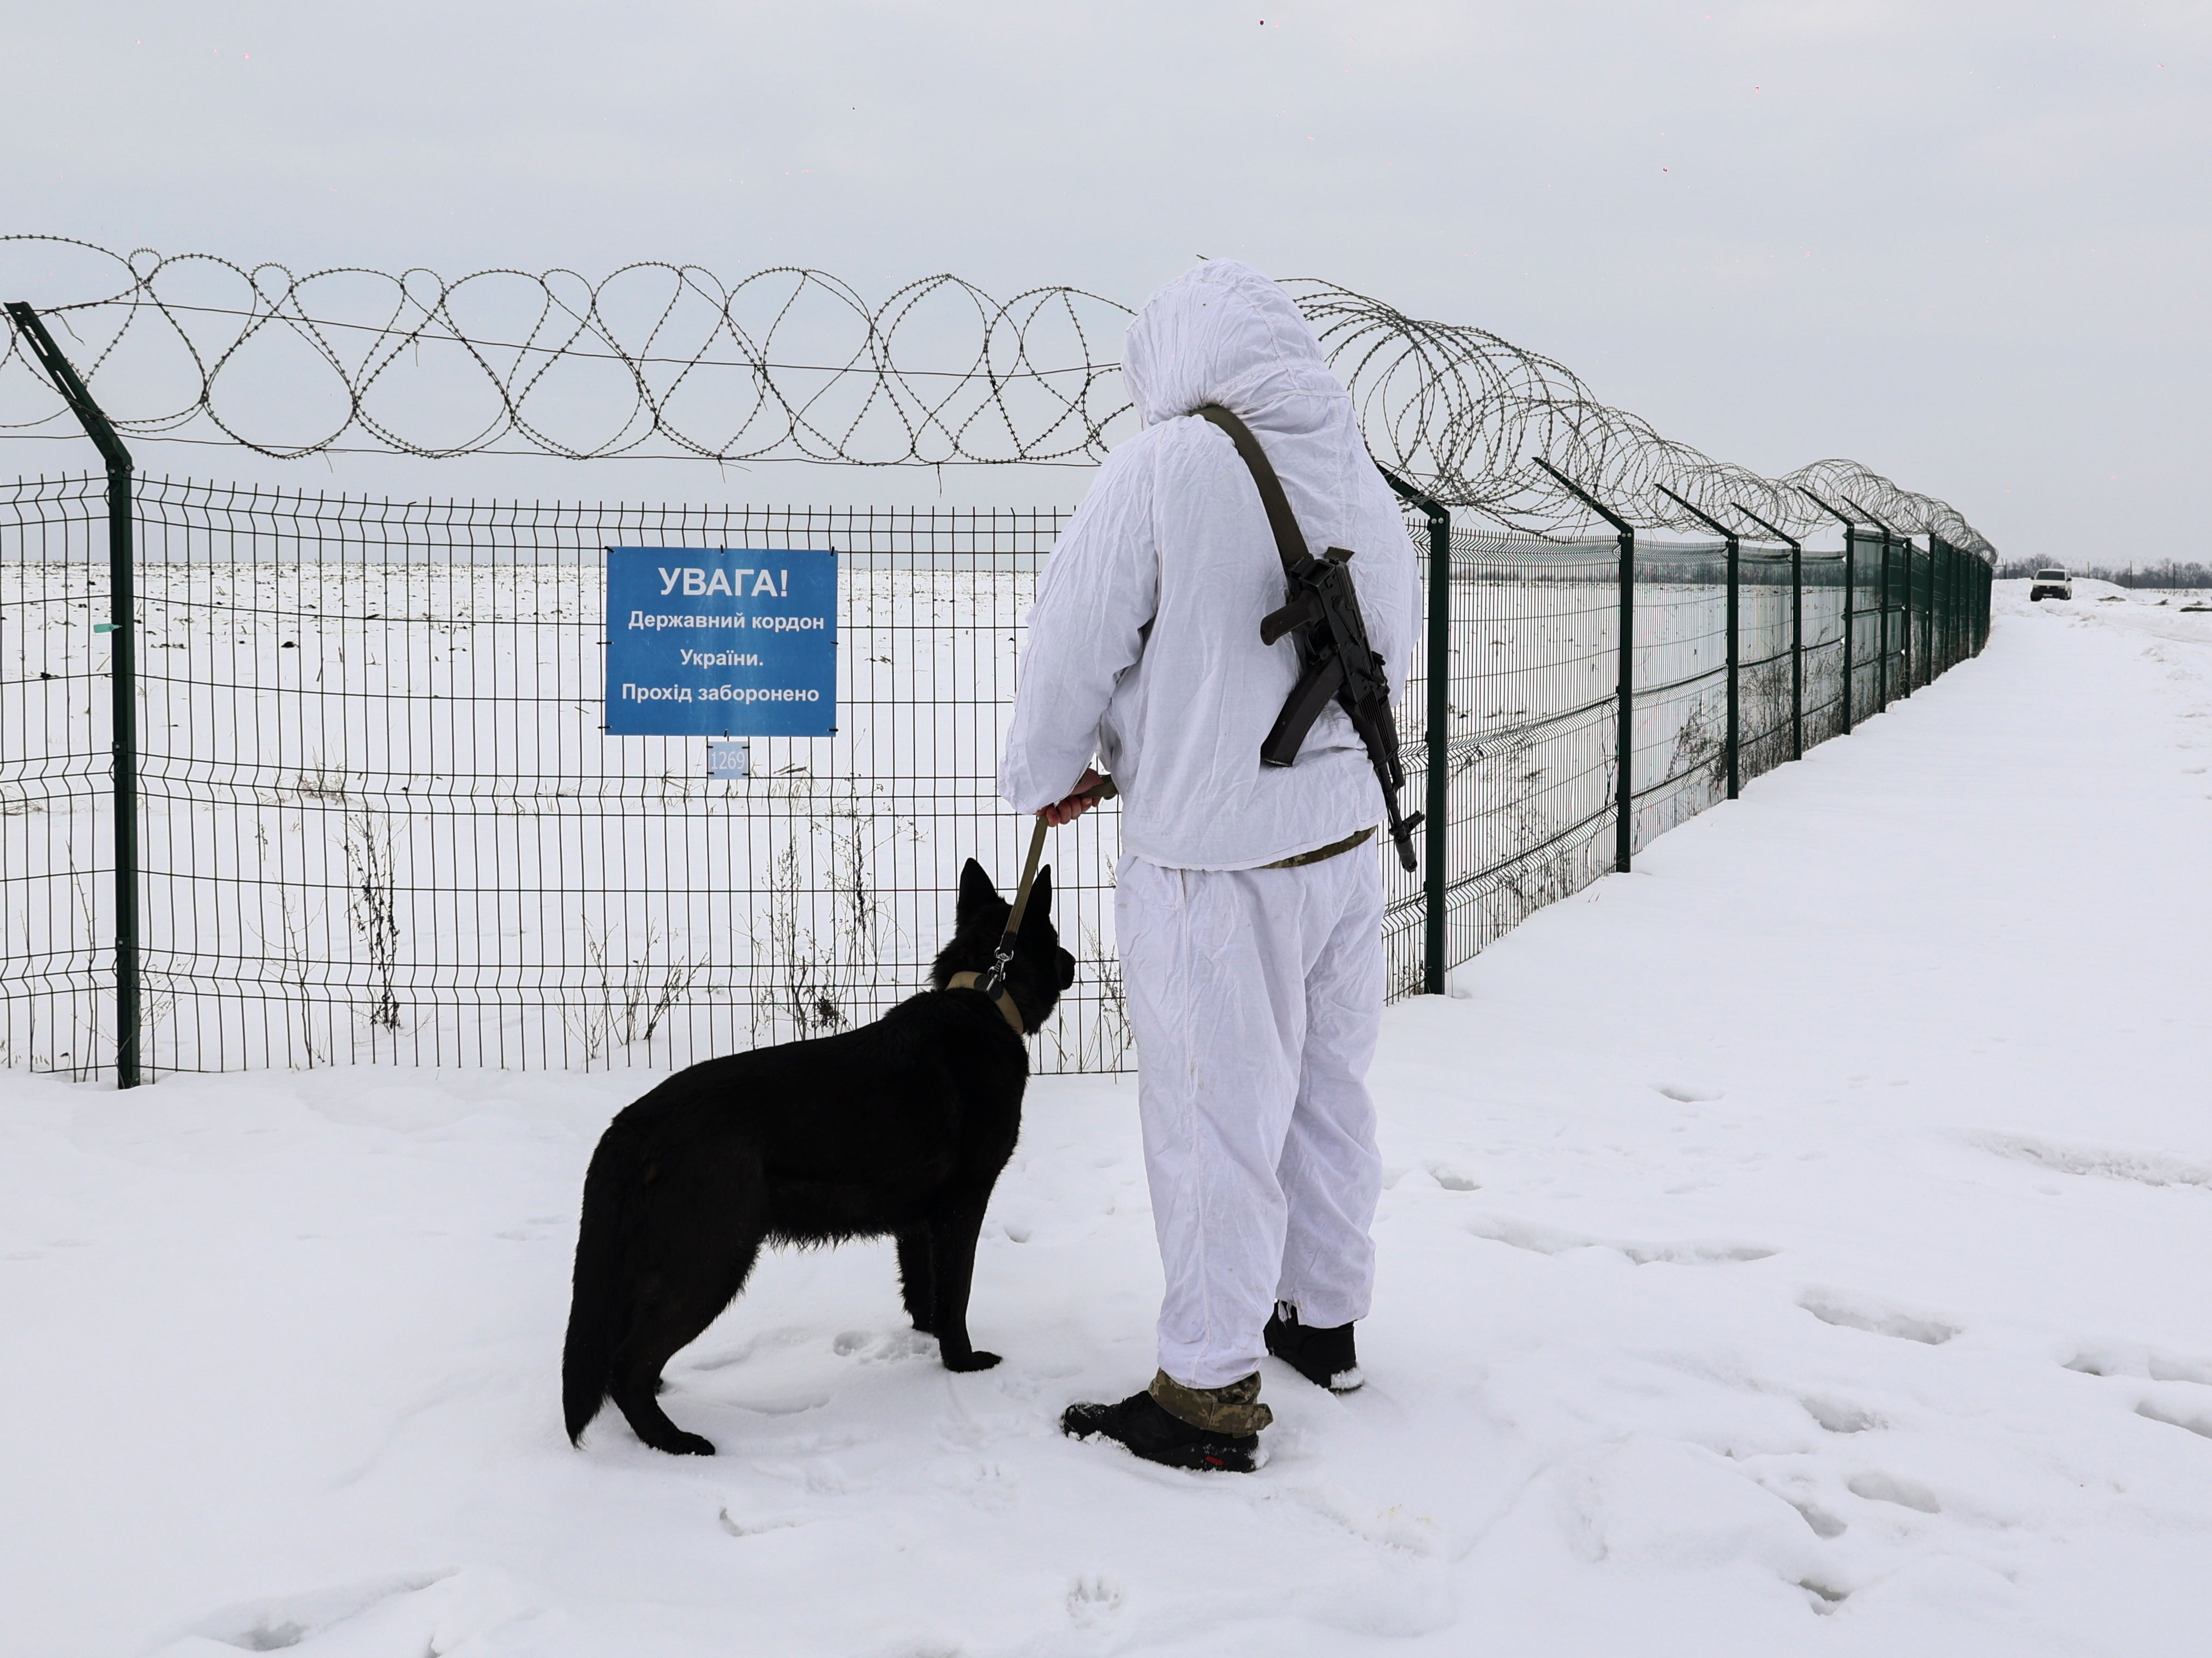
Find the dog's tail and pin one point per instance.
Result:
(596, 1305)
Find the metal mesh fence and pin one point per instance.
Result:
(1679, 758)
(1766, 659)
(1825, 596)
(379, 818)
(1530, 751)
(57, 844)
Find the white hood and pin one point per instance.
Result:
(1222, 333)
(1143, 648)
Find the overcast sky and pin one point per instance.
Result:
(1965, 243)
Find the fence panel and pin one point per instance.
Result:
(1536, 631)
(1680, 752)
(57, 839)
(1863, 567)
(1765, 659)
(1825, 596)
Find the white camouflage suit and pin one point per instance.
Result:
(1255, 994)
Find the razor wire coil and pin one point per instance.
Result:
(664, 360)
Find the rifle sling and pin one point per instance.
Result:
(1289, 542)
(1313, 692)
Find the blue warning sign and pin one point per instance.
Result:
(721, 641)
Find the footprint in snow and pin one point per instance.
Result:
(782, 1406)
(1683, 1251)
(2143, 1362)
(1878, 1487)
(1825, 1526)
(275, 1623)
(1386, 1528)
(1093, 1600)
(2197, 1422)
(2144, 1168)
(1849, 1312)
(736, 1527)
(872, 1348)
(1453, 1176)
(1690, 1093)
(1840, 1419)
(1825, 1599)
(788, 1335)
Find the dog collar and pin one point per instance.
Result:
(1003, 1001)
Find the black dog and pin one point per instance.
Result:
(898, 1128)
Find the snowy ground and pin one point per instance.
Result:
(1800, 1245)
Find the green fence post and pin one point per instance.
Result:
(1916, 612)
(1928, 615)
(1958, 560)
(1797, 651)
(1735, 710)
(1438, 851)
(1951, 567)
(1881, 649)
(1435, 873)
(1957, 604)
(1954, 581)
(1911, 589)
(123, 634)
(1850, 624)
(1939, 607)
(1623, 831)
(1925, 646)
(1928, 622)
(1624, 837)
(1969, 581)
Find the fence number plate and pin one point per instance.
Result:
(721, 641)
(732, 759)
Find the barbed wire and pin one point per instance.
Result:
(660, 361)
(1467, 413)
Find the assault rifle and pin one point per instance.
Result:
(1336, 663)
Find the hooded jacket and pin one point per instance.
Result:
(1144, 645)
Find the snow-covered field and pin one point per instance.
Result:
(1803, 1244)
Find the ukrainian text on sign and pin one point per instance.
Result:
(721, 641)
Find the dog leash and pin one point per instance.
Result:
(992, 980)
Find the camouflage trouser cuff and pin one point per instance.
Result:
(1235, 1409)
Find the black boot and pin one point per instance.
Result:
(1324, 1357)
(1142, 1427)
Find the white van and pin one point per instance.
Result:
(2051, 583)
